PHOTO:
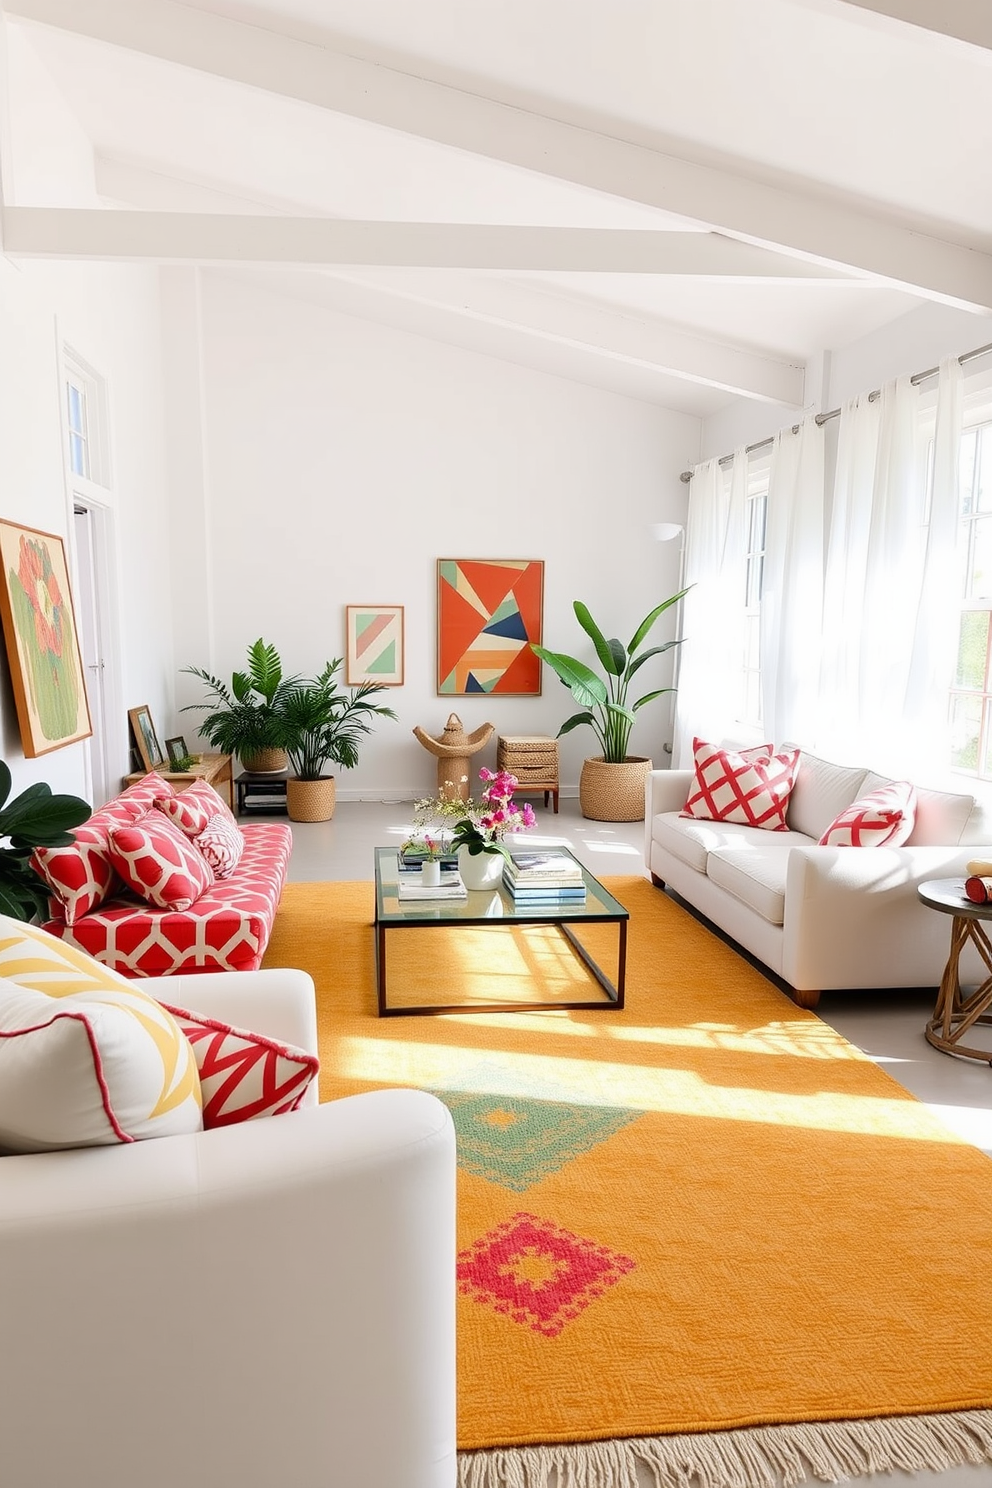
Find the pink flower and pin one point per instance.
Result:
(485, 774)
(527, 815)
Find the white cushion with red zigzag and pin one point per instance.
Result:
(244, 1075)
(222, 843)
(158, 861)
(882, 818)
(745, 787)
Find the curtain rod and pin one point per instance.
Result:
(821, 418)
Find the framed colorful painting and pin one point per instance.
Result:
(46, 670)
(374, 645)
(489, 610)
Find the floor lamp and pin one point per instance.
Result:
(668, 532)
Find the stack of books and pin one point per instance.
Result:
(410, 883)
(535, 878)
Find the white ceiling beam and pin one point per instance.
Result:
(186, 237)
(652, 345)
(964, 20)
(828, 231)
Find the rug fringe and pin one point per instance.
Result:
(755, 1457)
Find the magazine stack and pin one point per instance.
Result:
(410, 882)
(537, 879)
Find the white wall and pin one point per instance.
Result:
(344, 458)
(110, 315)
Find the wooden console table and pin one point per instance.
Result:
(215, 769)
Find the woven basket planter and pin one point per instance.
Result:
(311, 800)
(613, 792)
(265, 762)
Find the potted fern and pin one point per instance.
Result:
(244, 718)
(322, 724)
(611, 785)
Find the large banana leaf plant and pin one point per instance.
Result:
(35, 818)
(604, 703)
(245, 718)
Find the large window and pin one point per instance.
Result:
(971, 695)
(755, 517)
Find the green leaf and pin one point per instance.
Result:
(5, 781)
(649, 697)
(574, 722)
(647, 655)
(649, 620)
(39, 818)
(605, 650)
(585, 687)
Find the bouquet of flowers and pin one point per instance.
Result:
(481, 828)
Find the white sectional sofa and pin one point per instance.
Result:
(820, 918)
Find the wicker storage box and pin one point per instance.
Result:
(533, 759)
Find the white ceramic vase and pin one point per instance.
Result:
(430, 873)
(484, 871)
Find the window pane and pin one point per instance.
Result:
(966, 728)
(77, 455)
(755, 573)
(75, 408)
(973, 645)
(980, 579)
(984, 473)
(969, 440)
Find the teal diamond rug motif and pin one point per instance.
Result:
(516, 1141)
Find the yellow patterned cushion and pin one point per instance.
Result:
(86, 1057)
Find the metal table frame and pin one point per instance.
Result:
(600, 908)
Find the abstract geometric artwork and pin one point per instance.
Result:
(46, 669)
(489, 610)
(375, 645)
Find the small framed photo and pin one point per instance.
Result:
(177, 752)
(374, 642)
(146, 739)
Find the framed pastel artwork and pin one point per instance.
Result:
(153, 756)
(374, 645)
(46, 669)
(489, 610)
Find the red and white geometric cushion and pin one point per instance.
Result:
(139, 797)
(222, 843)
(192, 808)
(883, 818)
(244, 1075)
(80, 876)
(741, 786)
(158, 861)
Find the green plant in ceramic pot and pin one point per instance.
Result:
(322, 724)
(244, 719)
(611, 787)
(35, 818)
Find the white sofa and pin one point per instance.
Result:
(821, 918)
(268, 1303)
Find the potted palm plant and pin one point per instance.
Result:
(611, 785)
(244, 719)
(35, 818)
(322, 724)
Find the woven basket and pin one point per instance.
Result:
(265, 762)
(311, 800)
(613, 792)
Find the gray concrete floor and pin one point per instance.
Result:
(888, 1026)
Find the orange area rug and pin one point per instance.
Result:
(684, 1228)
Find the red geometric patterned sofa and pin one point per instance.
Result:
(226, 929)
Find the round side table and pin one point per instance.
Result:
(955, 1014)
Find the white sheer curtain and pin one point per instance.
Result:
(792, 588)
(711, 661)
(890, 587)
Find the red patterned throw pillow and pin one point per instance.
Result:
(193, 808)
(157, 861)
(221, 842)
(883, 818)
(244, 1075)
(741, 786)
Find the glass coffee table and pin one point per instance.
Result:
(494, 909)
